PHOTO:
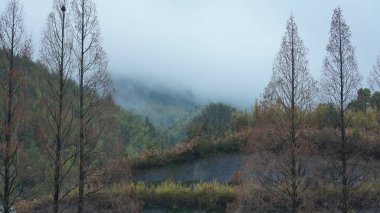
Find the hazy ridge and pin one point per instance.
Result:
(160, 104)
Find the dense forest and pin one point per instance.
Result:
(69, 144)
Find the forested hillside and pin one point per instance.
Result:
(162, 106)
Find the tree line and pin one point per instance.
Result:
(294, 91)
(71, 53)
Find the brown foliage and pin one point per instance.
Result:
(116, 170)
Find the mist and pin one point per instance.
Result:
(218, 50)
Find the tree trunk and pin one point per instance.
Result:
(293, 130)
(8, 126)
(58, 166)
(81, 115)
(343, 157)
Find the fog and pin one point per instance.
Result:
(219, 50)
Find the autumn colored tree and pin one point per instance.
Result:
(340, 82)
(292, 88)
(15, 49)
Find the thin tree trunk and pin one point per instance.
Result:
(92, 63)
(341, 80)
(81, 112)
(342, 131)
(294, 195)
(57, 172)
(292, 88)
(9, 120)
(81, 128)
(12, 45)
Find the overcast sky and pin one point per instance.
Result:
(221, 50)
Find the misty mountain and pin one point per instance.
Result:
(160, 104)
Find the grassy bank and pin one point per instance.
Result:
(211, 196)
(133, 197)
(199, 147)
(169, 194)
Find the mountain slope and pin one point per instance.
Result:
(161, 105)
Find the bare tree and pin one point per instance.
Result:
(374, 78)
(57, 90)
(15, 49)
(340, 82)
(292, 88)
(94, 84)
